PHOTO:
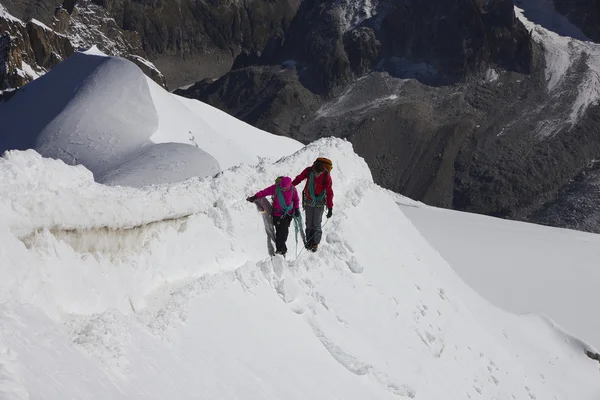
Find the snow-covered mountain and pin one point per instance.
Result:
(168, 291)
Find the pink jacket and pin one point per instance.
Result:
(288, 196)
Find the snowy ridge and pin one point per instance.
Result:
(198, 299)
(565, 48)
(160, 138)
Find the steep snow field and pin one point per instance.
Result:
(104, 113)
(168, 292)
(520, 267)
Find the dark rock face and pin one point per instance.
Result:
(575, 206)
(148, 69)
(315, 42)
(62, 20)
(583, 13)
(362, 48)
(49, 48)
(28, 49)
(270, 97)
(25, 10)
(192, 39)
(435, 41)
(456, 38)
(89, 24)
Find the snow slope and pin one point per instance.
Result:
(518, 266)
(104, 113)
(168, 292)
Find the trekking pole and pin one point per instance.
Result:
(298, 227)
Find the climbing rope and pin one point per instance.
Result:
(309, 239)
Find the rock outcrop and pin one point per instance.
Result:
(29, 49)
(189, 40)
(583, 13)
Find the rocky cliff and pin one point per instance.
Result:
(29, 49)
(189, 40)
(583, 13)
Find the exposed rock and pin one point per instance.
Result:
(189, 40)
(149, 69)
(315, 42)
(455, 38)
(62, 20)
(28, 50)
(362, 48)
(583, 13)
(19, 51)
(269, 97)
(25, 10)
(49, 48)
(92, 25)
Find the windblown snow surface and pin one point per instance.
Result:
(520, 267)
(167, 292)
(104, 113)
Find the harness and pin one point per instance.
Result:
(285, 209)
(315, 201)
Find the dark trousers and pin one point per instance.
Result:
(314, 216)
(282, 227)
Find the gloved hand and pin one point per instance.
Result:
(251, 199)
(329, 213)
(297, 213)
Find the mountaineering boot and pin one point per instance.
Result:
(282, 252)
(314, 248)
(308, 245)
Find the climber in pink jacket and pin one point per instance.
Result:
(286, 205)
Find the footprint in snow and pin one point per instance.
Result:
(354, 266)
(360, 368)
